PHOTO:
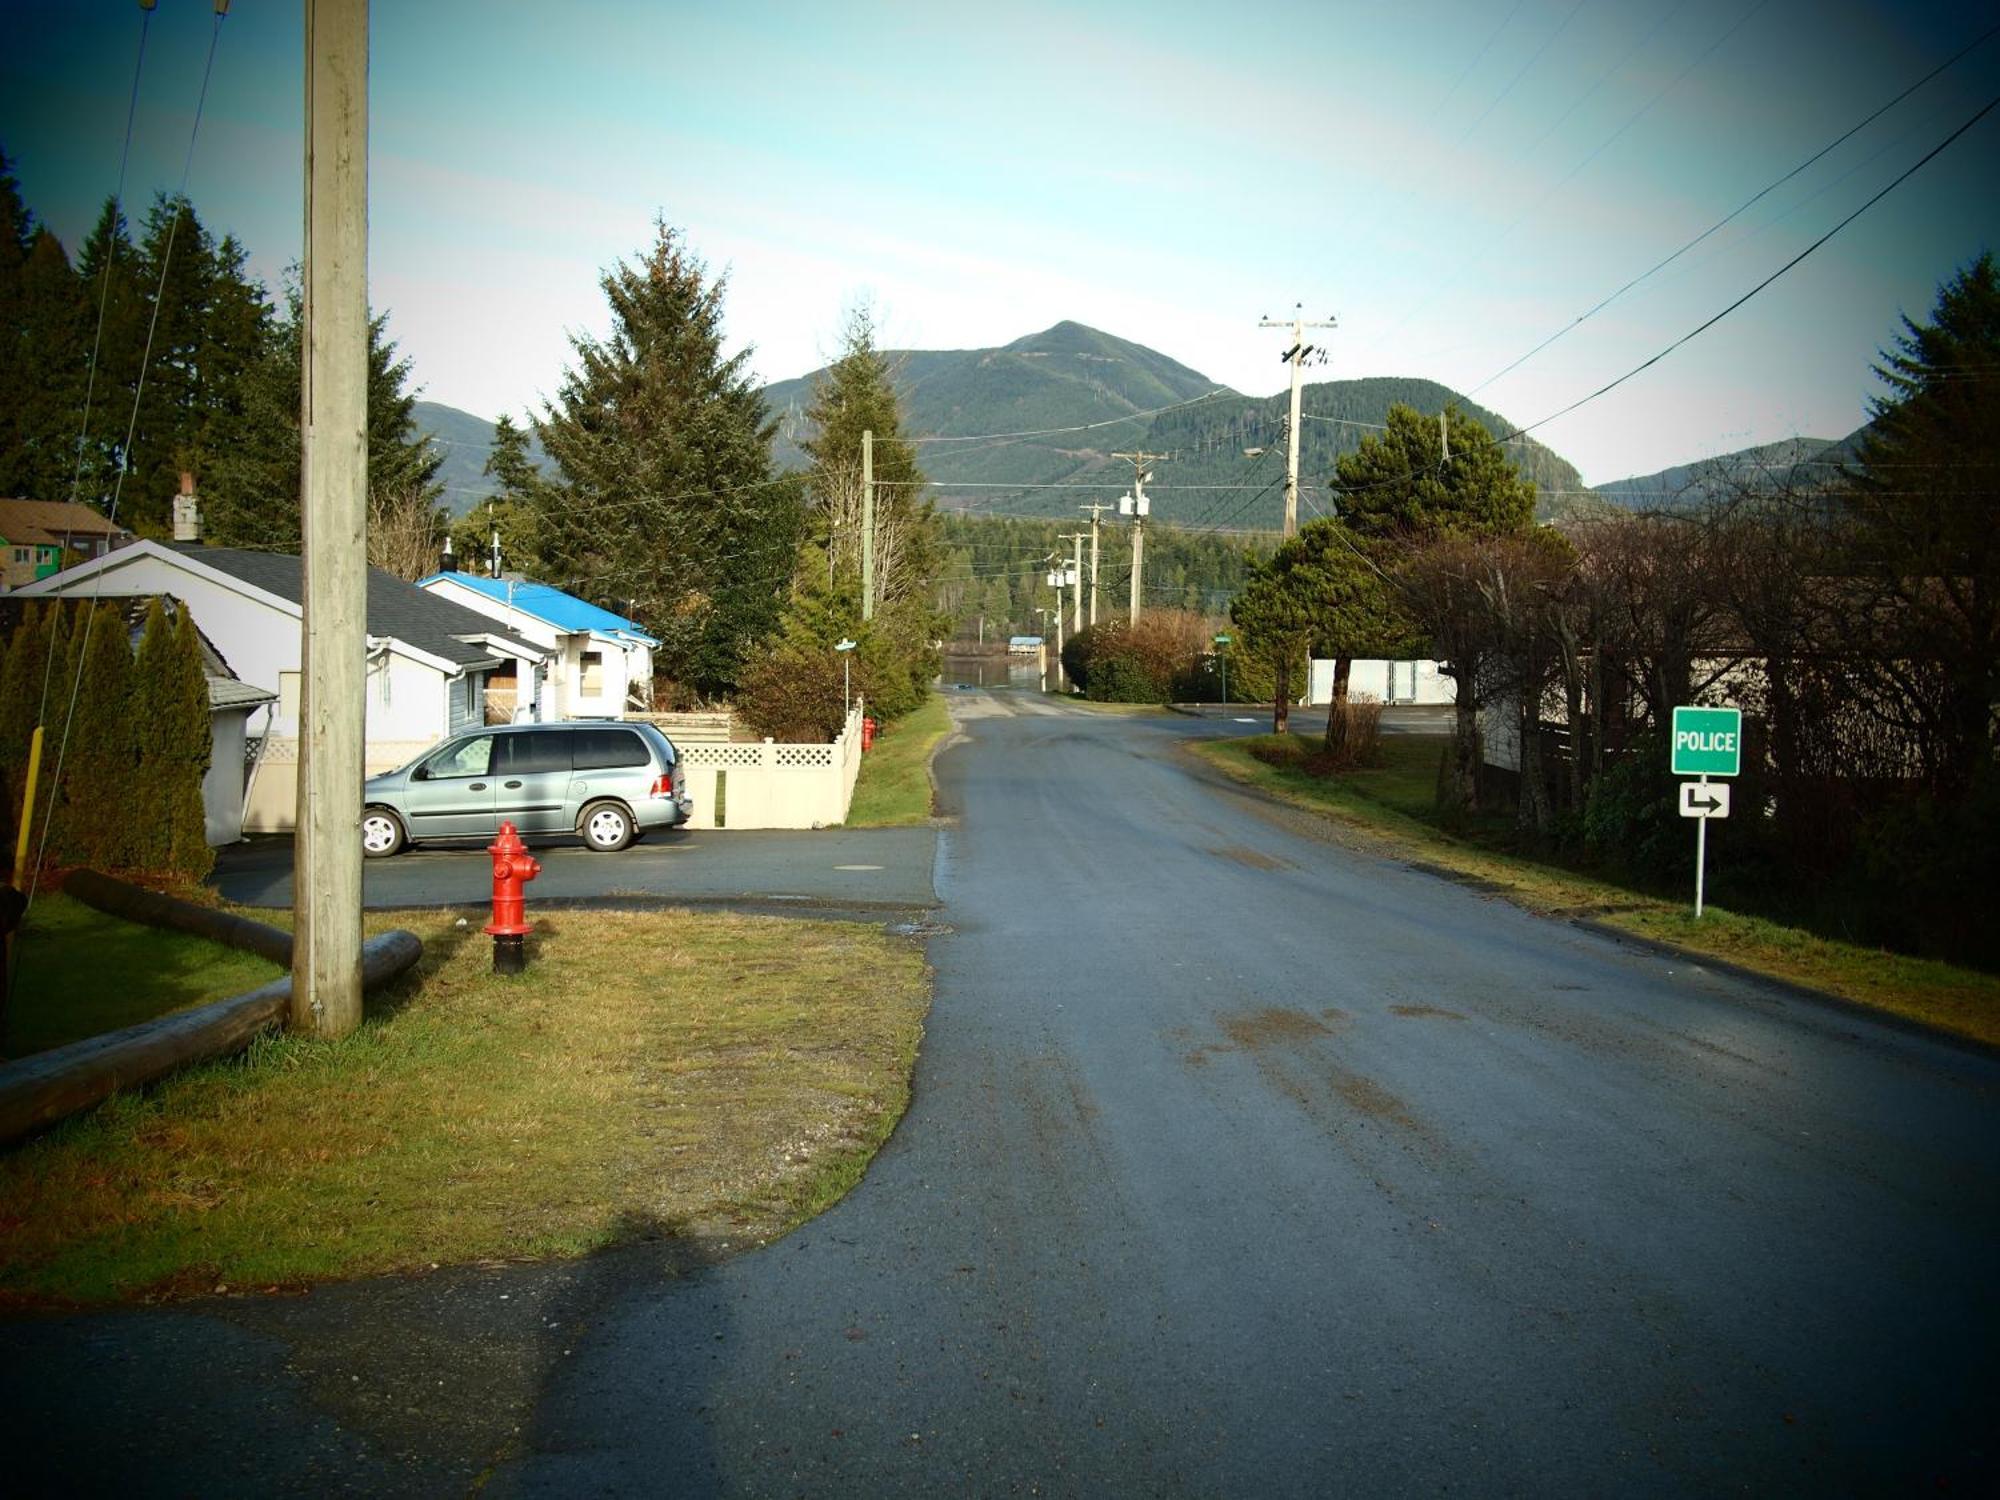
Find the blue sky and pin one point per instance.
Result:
(1452, 181)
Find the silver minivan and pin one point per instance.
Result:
(604, 779)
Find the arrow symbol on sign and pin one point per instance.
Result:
(1706, 804)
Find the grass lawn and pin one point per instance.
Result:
(894, 788)
(82, 973)
(1392, 804)
(715, 1077)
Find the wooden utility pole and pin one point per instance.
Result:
(1139, 506)
(1296, 358)
(1076, 581)
(333, 441)
(1096, 508)
(867, 524)
(1281, 697)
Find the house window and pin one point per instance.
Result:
(24, 554)
(590, 674)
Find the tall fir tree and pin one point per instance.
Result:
(251, 488)
(667, 508)
(855, 395)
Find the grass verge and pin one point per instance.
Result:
(82, 973)
(713, 1077)
(1383, 805)
(894, 787)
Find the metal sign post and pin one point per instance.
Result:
(1707, 742)
(1223, 641)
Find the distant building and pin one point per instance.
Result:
(41, 537)
(1023, 645)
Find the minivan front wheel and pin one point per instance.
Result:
(606, 827)
(381, 833)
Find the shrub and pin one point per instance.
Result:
(1150, 661)
(793, 693)
(1354, 737)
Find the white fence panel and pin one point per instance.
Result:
(770, 785)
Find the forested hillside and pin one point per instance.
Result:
(1070, 377)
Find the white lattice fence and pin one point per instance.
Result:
(769, 785)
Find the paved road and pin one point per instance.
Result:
(1485, 1204)
(837, 867)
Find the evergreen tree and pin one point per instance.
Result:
(1920, 514)
(94, 744)
(251, 488)
(1401, 482)
(667, 509)
(896, 654)
(206, 322)
(43, 415)
(514, 514)
(174, 746)
(112, 318)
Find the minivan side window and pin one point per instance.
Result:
(604, 749)
(466, 758)
(530, 750)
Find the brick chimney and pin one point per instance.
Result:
(187, 511)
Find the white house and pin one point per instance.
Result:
(427, 658)
(599, 665)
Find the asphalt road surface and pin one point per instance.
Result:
(851, 868)
(1241, 1162)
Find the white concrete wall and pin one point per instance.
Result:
(1390, 681)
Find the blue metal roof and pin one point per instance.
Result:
(564, 611)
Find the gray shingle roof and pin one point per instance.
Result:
(395, 608)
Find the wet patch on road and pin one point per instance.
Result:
(1287, 1048)
(1437, 1012)
(1252, 858)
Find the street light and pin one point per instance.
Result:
(1223, 641)
(844, 646)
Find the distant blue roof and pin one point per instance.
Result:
(564, 611)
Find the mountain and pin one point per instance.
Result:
(1069, 377)
(1791, 461)
(465, 440)
(1063, 383)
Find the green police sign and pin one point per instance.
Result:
(1708, 742)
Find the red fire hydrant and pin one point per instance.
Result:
(513, 867)
(867, 734)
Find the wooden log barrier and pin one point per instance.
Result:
(39, 1090)
(137, 904)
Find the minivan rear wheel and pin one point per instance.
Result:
(606, 827)
(381, 833)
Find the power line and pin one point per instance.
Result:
(125, 456)
(1522, 71)
(1702, 328)
(1739, 210)
(1493, 242)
